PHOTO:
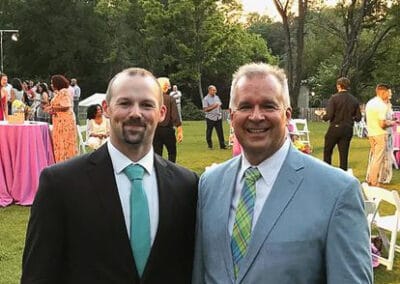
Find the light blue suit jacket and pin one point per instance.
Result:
(312, 228)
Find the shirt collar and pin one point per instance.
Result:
(120, 161)
(270, 167)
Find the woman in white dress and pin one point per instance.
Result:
(98, 127)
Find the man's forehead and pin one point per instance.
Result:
(134, 83)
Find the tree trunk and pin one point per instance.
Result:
(294, 53)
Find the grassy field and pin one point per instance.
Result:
(192, 153)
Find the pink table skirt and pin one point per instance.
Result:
(25, 149)
(396, 137)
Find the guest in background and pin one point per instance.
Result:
(165, 132)
(3, 97)
(98, 127)
(177, 95)
(77, 95)
(212, 108)
(386, 171)
(43, 99)
(377, 125)
(16, 104)
(17, 87)
(64, 128)
(28, 96)
(342, 110)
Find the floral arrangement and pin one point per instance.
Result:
(303, 147)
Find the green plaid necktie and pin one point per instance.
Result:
(244, 218)
(140, 219)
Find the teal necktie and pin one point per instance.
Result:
(140, 219)
(244, 218)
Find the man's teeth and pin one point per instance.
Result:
(256, 130)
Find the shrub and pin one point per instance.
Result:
(191, 112)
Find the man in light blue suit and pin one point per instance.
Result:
(289, 219)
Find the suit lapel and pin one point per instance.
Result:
(229, 179)
(101, 173)
(285, 187)
(165, 201)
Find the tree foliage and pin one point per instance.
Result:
(200, 42)
(194, 42)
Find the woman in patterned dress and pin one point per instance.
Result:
(64, 128)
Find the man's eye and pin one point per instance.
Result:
(269, 107)
(244, 108)
(148, 105)
(123, 103)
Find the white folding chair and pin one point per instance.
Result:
(360, 128)
(82, 143)
(301, 128)
(387, 223)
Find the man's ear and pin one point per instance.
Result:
(106, 109)
(288, 114)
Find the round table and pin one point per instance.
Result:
(25, 149)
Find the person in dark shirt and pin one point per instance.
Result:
(342, 110)
(165, 132)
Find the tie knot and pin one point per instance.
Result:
(134, 172)
(251, 175)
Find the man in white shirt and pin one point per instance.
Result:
(177, 95)
(76, 97)
(212, 108)
(274, 214)
(83, 218)
(376, 114)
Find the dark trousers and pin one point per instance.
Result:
(76, 110)
(339, 135)
(165, 136)
(218, 128)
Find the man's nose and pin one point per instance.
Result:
(257, 113)
(135, 111)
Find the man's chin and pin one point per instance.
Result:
(133, 139)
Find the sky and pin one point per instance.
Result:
(260, 6)
(267, 7)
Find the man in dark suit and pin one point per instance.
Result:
(80, 229)
(342, 110)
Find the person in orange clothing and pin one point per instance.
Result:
(64, 129)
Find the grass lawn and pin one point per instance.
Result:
(193, 154)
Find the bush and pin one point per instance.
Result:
(191, 112)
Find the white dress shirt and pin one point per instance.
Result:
(120, 162)
(269, 170)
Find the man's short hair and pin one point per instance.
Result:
(131, 72)
(252, 70)
(382, 87)
(343, 82)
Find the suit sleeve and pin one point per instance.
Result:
(42, 257)
(348, 256)
(198, 266)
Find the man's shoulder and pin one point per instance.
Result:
(175, 169)
(68, 169)
(217, 171)
(375, 102)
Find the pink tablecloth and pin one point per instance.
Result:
(396, 137)
(25, 150)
